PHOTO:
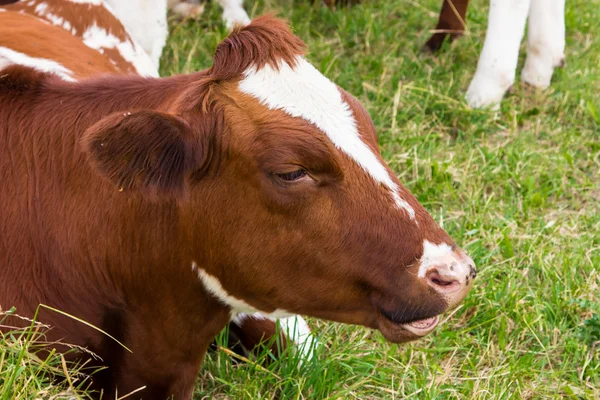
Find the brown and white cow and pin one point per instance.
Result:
(107, 46)
(497, 64)
(155, 209)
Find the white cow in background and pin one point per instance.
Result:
(146, 21)
(497, 65)
(498, 61)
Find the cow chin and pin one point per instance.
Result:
(402, 333)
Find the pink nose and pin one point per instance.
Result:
(451, 274)
(443, 282)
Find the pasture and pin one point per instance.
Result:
(517, 188)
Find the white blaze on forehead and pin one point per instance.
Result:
(11, 57)
(433, 254)
(214, 287)
(304, 92)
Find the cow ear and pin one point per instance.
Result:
(147, 151)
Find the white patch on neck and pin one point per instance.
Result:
(432, 255)
(11, 57)
(304, 92)
(214, 287)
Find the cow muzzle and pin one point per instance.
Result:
(449, 277)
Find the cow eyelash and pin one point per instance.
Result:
(292, 176)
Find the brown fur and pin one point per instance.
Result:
(114, 186)
(451, 23)
(46, 40)
(52, 43)
(450, 26)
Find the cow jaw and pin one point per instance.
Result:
(237, 306)
(402, 333)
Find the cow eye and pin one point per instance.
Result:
(292, 176)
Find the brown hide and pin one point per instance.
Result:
(118, 191)
(451, 23)
(77, 243)
(51, 43)
(22, 29)
(63, 43)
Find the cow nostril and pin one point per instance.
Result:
(440, 282)
(444, 283)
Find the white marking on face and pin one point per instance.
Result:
(11, 57)
(433, 254)
(304, 92)
(214, 287)
(99, 39)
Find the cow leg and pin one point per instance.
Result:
(186, 9)
(178, 385)
(234, 13)
(545, 42)
(167, 346)
(298, 333)
(247, 331)
(498, 60)
(451, 23)
(332, 3)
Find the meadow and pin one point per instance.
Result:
(517, 188)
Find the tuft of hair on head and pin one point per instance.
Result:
(266, 40)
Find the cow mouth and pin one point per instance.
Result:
(423, 326)
(400, 332)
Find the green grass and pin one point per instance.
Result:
(519, 189)
(28, 371)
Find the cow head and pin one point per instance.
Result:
(284, 200)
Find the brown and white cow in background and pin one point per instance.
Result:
(498, 60)
(497, 64)
(116, 51)
(155, 209)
